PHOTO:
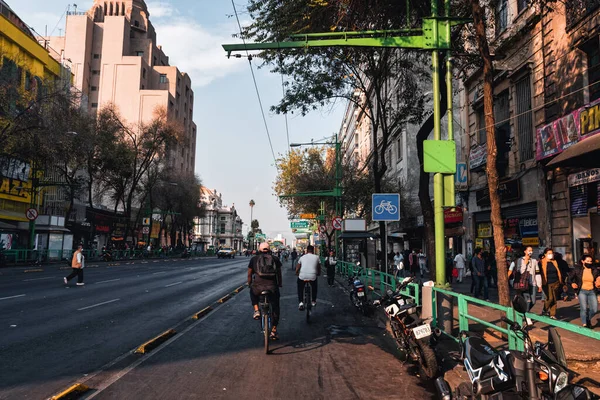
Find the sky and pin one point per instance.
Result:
(233, 154)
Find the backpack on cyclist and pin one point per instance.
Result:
(266, 267)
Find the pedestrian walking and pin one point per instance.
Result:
(459, 264)
(398, 264)
(413, 262)
(294, 256)
(479, 274)
(330, 263)
(77, 265)
(585, 279)
(422, 262)
(552, 281)
(525, 274)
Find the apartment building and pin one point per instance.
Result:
(113, 52)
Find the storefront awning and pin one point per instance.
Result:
(580, 155)
(7, 227)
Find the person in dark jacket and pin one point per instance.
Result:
(330, 263)
(552, 281)
(479, 268)
(585, 279)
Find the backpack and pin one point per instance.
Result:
(521, 281)
(265, 266)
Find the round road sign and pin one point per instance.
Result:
(31, 214)
(337, 223)
(323, 228)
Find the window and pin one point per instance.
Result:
(592, 50)
(27, 80)
(96, 72)
(481, 134)
(522, 4)
(163, 78)
(96, 56)
(223, 218)
(503, 135)
(144, 73)
(578, 9)
(94, 105)
(501, 16)
(400, 147)
(139, 53)
(94, 88)
(222, 228)
(524, 119)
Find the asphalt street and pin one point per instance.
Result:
(52, 334)
(339, 355)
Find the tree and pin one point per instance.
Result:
(379, 81)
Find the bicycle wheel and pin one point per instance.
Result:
(266, 330)
(378, 209)
(307, 300)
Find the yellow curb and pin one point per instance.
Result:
(76, 388)
(224, 299)
(239, 289)
(152, 343)
(34, 270)
(202, 313)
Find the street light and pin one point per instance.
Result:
(252, 203)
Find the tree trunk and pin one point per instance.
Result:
(491, 170)
(424, 195)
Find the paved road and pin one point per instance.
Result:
(340, 355)
(52, 335)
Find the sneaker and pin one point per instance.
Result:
(256, 314)
(314, 303)
(301, 306)
(65, 280)
(80, 283)
(585, 325)
(552, 317)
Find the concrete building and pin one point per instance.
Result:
(220, 226)
(113, 52)
(546, 88)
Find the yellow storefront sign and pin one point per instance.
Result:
(479, 243)
(531, 241)
(15, 190)
(484, 230)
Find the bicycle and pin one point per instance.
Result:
(385, 206)
(265, 317)
(307, 299)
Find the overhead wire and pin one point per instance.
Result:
(255, 84)
(287, 130)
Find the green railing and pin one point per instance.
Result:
(27, 256)
(380, 281)
(514, 342)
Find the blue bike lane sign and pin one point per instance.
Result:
(386, 207)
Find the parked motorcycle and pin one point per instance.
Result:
(413, 337)
(539, 372)
(358, 295)
(107, 255)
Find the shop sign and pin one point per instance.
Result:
(477, 156)
(453, 216)
(584, 177)
(511, 227)
(484, 230)
(15, 190)
(531, 241)
(528, 226)
(479, 243)
(508, 191)
(102, 228)
(559, 135)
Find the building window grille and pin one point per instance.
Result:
(579, 9)
(400, 147)
(501, 16)
(163, 78)
(481, 134)
(524, 118)
(592, 50)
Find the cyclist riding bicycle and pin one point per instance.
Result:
(308, 268)
(266, 269)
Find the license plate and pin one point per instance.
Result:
(422, 331)
(360, 294)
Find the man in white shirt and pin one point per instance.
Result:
(459, 264)
(307, 270)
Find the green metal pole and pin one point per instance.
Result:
(34, 188)
(449, 192)
(438, 179)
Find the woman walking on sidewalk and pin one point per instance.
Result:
(585, 279)
(552, 281)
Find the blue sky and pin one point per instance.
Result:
(233, 153)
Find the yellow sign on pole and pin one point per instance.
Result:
(308, 216)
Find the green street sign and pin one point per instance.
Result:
(299, 224)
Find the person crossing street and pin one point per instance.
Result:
(77, 265)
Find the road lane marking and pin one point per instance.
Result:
(39, 279)
(161, 272)
(12, 297)
(173, 284)
(99, 304)
(111, 280)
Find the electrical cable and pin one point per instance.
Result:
(287, 131)
(255, 84)
(60, 19)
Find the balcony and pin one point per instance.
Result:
(578, 10)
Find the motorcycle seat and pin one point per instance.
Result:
(478, 351)
(265, 292)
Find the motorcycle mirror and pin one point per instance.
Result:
(407, 279)
(519, 304)
(376, 302)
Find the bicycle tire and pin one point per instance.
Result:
(266, 331)
(307, 300)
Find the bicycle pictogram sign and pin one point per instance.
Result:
(386, 207)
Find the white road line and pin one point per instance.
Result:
(99, 304)
(111, 280)
(39, 279)
(12, 297)
(161, 272)
(173, 284)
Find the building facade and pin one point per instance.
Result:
(114, 55)
(545, 90)
(220, 225)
